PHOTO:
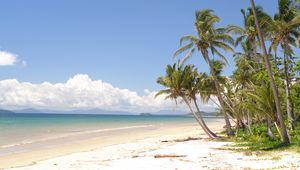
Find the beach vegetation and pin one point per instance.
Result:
(262, 95)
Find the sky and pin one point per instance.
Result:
(122, 44)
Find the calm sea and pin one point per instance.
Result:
(24, 129)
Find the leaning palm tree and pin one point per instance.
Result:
(285, 32)
(209, 38)
(192, 88)
(283, 130)
(179, 83)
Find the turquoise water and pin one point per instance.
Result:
(25, 132)
(25, 128)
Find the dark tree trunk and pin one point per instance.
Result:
(237, 126)
(283, 130)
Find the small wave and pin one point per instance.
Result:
(16, 144)
(73, 134)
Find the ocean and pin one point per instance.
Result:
(18, 132)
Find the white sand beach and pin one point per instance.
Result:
(184, 147)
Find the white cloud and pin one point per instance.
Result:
(7, 58)
(80, 92)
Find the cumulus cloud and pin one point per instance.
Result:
(80, 92)
(7, 58)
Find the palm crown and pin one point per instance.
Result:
(208, 38)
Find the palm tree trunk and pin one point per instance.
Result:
(283, 130)
(249, 122)
(270, 131)
(287, 87)
(203, 122)
(237, 127)
(275, 58)
(196, 117)
(219, 96)
(253, 47)
(249, 119)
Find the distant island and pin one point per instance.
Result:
(2, 111)
(105, 112)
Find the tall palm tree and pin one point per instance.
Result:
(283, 130)
(285, 32)
(180, 83)
(248, 34)
(209, 38)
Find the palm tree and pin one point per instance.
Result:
(180, 82)
(194, 87)
(248, 34)
(209, 38)
(283, 130)
(295, 94)
(245, 66)
(243, 78)
(264, 105)
(285, 32)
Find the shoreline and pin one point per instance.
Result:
(172, 147)
(92, 142)
(72, 134)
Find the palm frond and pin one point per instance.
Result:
(182, 49)
(187, 56)
(166, 91)
(190, 38)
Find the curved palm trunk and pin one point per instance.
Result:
(219, 96)
(283, 131)
(196, 117)
(287, 87)
(203, 122)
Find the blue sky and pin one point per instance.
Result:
(125, 43)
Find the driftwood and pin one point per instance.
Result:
(169, 156)
(181, 140)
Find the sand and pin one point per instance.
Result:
(160, 149)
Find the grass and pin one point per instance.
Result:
(260, 141)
